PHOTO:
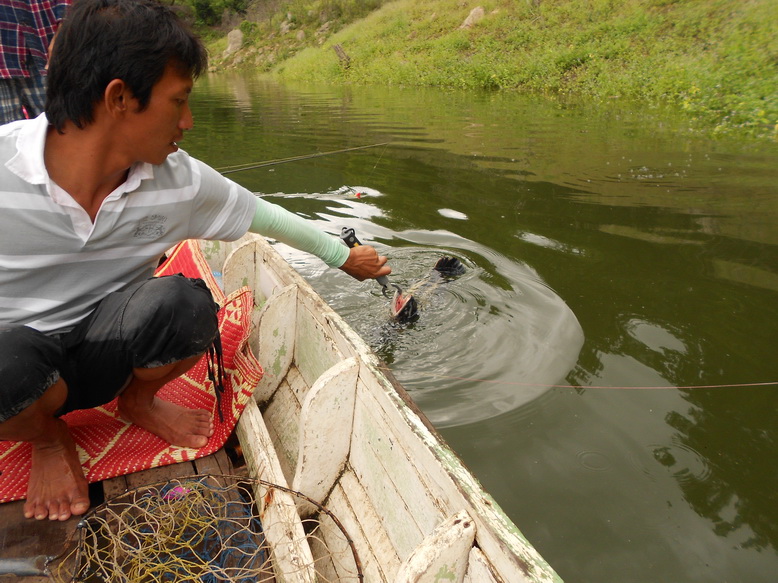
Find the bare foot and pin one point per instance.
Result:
(57, 488)
(175, 424)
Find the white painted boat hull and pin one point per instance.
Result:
(330, 421)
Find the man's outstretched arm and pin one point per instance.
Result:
(362, 262)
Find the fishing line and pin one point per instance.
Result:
(520, 384)
(253, 165)
(381, 157)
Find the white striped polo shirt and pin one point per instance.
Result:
(55, 264)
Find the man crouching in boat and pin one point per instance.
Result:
(91, 195)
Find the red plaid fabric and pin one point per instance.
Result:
(26, 28)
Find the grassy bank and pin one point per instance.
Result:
(715, 59)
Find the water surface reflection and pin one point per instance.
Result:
(605, 247)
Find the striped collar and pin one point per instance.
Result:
(28, 163)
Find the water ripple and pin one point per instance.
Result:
(684, 463)
(594, 461)
(485, 343)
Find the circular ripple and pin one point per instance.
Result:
(684, 463)
(594, 461)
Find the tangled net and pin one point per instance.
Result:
(208, 529)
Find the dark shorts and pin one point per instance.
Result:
(149, 324)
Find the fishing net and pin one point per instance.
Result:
(208, 529)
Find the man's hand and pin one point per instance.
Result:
(365, 263)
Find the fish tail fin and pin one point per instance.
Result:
(449, 266)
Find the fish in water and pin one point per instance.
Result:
(405, 307)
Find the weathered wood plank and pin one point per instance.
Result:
(215, 253)
(114, 487)
(276, 340)
(275, 272)
(216, 463)
(443, 555)
(350, 503)
(335, 558)
(160, 474)
(315, 351)
(240, 268)
(326, 420)
(292, 558)
(28, 542)
(393, 478)
(456, 488)
(282, 418)
(479, 569)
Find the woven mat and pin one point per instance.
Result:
(109, 446)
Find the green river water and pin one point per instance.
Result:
(607, 364)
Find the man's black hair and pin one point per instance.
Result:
(103, 40)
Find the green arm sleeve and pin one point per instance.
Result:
(274, 221)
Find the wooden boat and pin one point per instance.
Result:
(330, 421)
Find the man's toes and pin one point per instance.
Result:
(59, 511)
(79, 506)
(30, 510)
(42, 512)
(64, 509)
(36, 509)
(203, 424)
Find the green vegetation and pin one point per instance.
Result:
(715, 59)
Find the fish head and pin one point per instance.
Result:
(404, 307)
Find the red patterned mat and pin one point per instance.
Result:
(109, 446)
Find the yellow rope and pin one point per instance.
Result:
(189, 530)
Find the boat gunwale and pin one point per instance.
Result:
(496, 535)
